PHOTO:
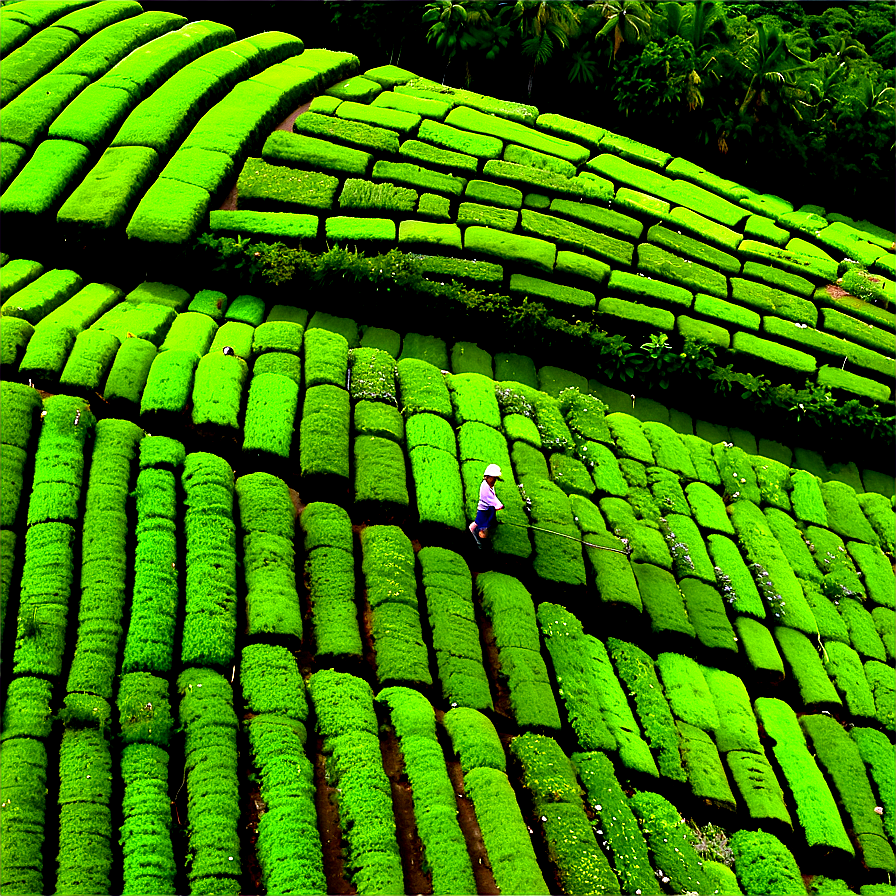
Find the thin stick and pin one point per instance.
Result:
(589, 544)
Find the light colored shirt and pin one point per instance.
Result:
(488, 498)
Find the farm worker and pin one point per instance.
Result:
(489, 504)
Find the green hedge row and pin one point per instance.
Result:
(435, 805)
(104, 558)
(155, 602)
(346, 721)
(210, 752)
(388, 566)
(508, 605)
(209, 631)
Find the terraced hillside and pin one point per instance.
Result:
(247, 642)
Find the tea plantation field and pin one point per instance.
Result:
(247, 644)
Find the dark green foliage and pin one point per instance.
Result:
(706, 612)
(806, 667)
(662, 599)
(755, 779)
(764, 865)
(815, 807)
(435, 807)
(808, 504)
(840, 757)
(879, 512)
(421, 388)
(504, 832)
(509, 607)
(373, 418)
(665, 834)
(425, 348)
(324, 432)
(637, 673)
(467, 357)
(549, 777)
(885, 623)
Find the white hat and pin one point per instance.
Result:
(492, 470)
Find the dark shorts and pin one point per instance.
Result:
(484, 518)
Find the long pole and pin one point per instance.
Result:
(589, 544)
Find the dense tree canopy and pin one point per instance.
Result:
(794, 98)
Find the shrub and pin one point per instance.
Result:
(331, 579)
(380, 476)
(706, 612)
(416, 151)
(310, 153)
(388, 566)
(460, 141)
(561, 563)
(704, 767)
(14, 336)
(504, 832)
(647, 544)
(414, 104)
(689, 695)
(815, 807)
(565, 233)
(510, 247)
(422, 232)
(421, 388)
(882, 682)
(509, 607)
(764, 865)
(664, 831)
(270, 413)
(650, 291)
(657, 262)
(437, 485)
(218, 389)
(206, 714)
(356, 88)
(410, 175)
(271, 682)
(779, 587)
(85, 307)
(324, 432)
(563, 296)
(266, 187)
(470, 213)
(737, 725)
(755, 779)
(43, 295)
(840, 757)
(637, 673)
(169, 383)
(689, 557)
(617, 823)
(191, 331)
(844, 513)
(595, 703)
(549, 777)
(363, 196)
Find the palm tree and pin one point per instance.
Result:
(456, 26)
(768, 63)
(543, 27)
(626, 19)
